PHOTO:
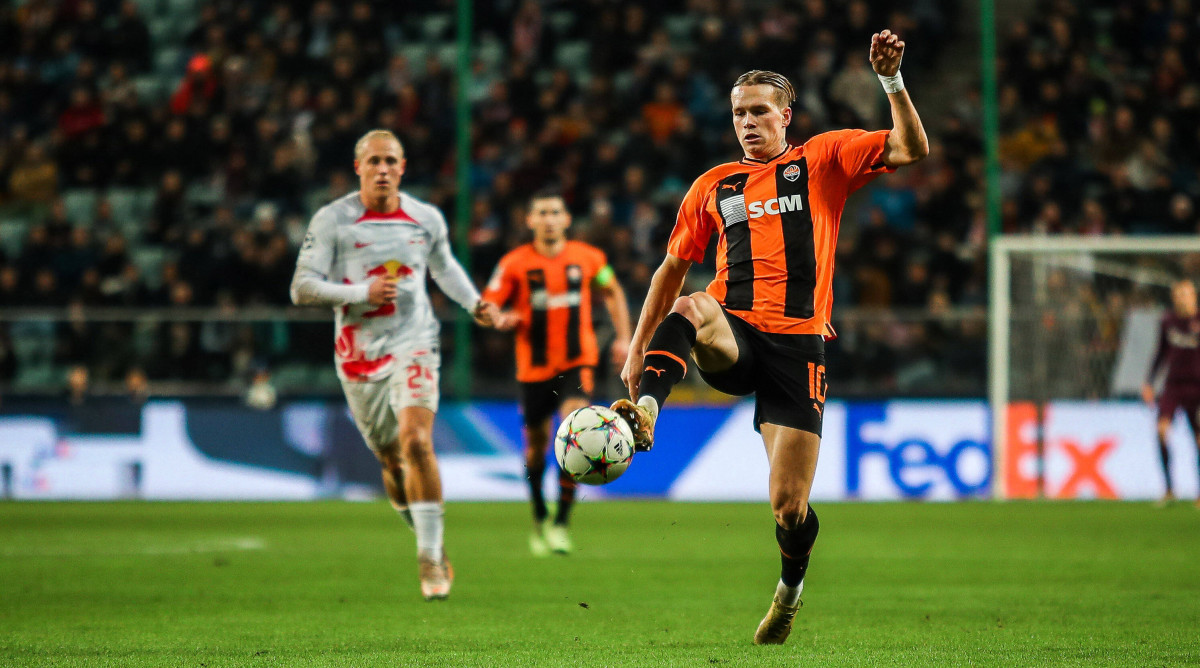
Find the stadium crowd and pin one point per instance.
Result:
(166, 153)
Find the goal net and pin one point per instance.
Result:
(1072, 320)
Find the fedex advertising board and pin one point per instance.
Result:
(929, 450)
(1095, 450)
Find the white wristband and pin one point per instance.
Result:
(892, 84)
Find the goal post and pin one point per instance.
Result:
(1059, 310)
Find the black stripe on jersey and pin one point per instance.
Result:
(574, 289)
(739, 285)
(799, 247)
(539, 330)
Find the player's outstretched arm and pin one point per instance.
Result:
(664, 290)
(906, 142)
(453, 279)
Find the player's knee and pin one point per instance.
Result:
(417, 447)
(790, 512)
(534, 457)
(389, 457)
(689, 307)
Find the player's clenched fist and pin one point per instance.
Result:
(382, 291)
(887, 50)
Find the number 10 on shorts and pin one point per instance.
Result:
(816, 382)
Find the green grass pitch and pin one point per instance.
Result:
(650, 584)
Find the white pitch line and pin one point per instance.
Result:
(193, 547)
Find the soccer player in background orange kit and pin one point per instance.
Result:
(761, 325)
(548, 285)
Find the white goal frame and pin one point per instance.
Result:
(1002, 249)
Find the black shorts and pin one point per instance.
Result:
(542, 399)
(785, 372)
(1181, 395)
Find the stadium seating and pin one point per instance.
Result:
(590, 43)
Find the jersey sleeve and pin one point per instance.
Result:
(310, 284)
(855, 155)
(601, 271)
(503, 284)
(693, 225)
(320, 244)
(445, 269)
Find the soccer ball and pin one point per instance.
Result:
(593, 445)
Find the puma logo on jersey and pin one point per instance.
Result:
(817, 408)
(732, 186)
(657, 372)
(776, 206)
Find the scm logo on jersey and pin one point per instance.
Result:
(776, 205)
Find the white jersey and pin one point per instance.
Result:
(346, 248)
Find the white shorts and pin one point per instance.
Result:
(375, 405)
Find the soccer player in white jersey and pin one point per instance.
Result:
(366, 255)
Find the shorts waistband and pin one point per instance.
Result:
(805, 343)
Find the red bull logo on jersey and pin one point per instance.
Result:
(391, 269)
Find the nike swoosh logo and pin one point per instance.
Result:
(359, 244)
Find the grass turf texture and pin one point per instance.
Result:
(650, 584)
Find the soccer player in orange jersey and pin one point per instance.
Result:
(761, 325)
(548, 285)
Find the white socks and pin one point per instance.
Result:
(427, 519)
(649, 403)
(788, 595)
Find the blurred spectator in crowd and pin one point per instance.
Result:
(137, 386)
(34, 178)
(78, 391)
(261, 393)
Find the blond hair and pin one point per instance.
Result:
(360, 146)
(785, 95)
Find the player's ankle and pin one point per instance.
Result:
(649, 403)
(789, 596)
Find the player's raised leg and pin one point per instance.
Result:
(695, 326)
(792, 454)
(423, 486)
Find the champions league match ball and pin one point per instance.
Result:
(593, 445)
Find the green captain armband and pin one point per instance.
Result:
(604, 276)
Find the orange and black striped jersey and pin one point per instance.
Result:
(553, 297)
(777, 222)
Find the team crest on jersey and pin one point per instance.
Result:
(574, 273)
(791, 173)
